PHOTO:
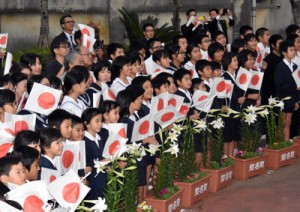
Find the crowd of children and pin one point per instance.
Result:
(178, 67)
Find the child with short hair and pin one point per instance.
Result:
(61, 120)
(28, 138)
(160, 84)
(111, 112)
(7, 103)
(171, 87)
(197, 84)
(77, 132)
(203, 42)
(216, 52)
(194, 54)
(204, 71)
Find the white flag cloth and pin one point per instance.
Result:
(296, 75)
(69, 158)
(87, 30)
(108, 94)
(256, 79)
(219, 87)
(142, 128)
(175, 101)
(3, 40)
(229, 88)
(6, 140)
(115, 146)
(43, 99)
(199, 97)
(243, 78)
(96, 99)
(159, 102)
(32, 196)
(8, 62)
(167, 116)
(49, 175)
(68, 190)
(119, 128)
(88, 42)
(206, 104)
(21, 122)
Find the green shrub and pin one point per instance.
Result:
(43, 53)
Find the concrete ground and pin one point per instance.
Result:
(276, 191)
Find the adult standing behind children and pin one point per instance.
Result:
(67, 24)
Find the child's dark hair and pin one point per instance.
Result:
(88, 115)
(201, 37)
(159, 54)
(237, 44)
(134, 57)
(55, 82)
(172, 49)
(25, 138)
(47, 136)
(56, 118)
(243, 56)
(118, 64)
(227, 59)
(72, 78)
(201, 64)
(244, 29)
(112, 48)
(35, 78)
(190, 48)
(215, 34)
(285, 45)
(159, 80)
(179, 74)
(215, 65)
(151, 42)
(273, 40)
(213, 48)
(176, 38)
(291, 29)
(195, 84)
(260, 32)
(18, 77)
(28, 155)
(136, 45)
(249, 37)
(189, 11)
(108, 105)
(76, 120)
(18, 67)
(4, 80)
(140, 80)
(29, 59)
(292, 38)
(99, 66)
(147, 25)
(6, 96)
(82, 69)
(127, 96)
(7, 163)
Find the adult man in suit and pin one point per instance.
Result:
(67, 24)
(216, 24)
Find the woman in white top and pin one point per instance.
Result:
(194, 54)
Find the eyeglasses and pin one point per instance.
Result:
(158, 47)
(87, 54)
(182, 53)
(206, 41)
(69, 22)
(64, 47)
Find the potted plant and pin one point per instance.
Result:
(167, 195)
(193, 182)
(220, 168)
(249, 159)
(281, 152)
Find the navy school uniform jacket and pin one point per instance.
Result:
(186, 100)
(94, 152)
(41, 120)
(45, 163)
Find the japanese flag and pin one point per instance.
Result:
(199, 97)
(43, 99)
(115, 146)
(184, 109)
(167, 116)
(49, 175)
(142, 129)
(68, 190)
(229, 88)
(256, 79)
(175, 101)
(87, 30)
(243, 78)
(69, 158)
(206, 104)
(6, 207)
(8, 62)
(219, 87)
(6, 140)
(88, 42)
(96, 99)
(108, 94)
(21, 122)
(119, 128)
(159, 102)
(296, 75)
(32, 196)
(3, 40)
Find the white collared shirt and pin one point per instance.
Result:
(51, 160)
(118, 85)
(187, 93)
(190, 66)
(290, 65)
(74, 107)
(232, 76)
(92, 138)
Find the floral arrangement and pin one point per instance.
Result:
(145, 208)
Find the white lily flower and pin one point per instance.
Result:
(251, 109)
(217, 124)
(264, 113)
(250, 118)
(200, 124)
(101, 165)
(172, 136)
(272, 101)
(153, 148)
(99, 206)
(134, 147)
(142, 153)
(176, 128)
(280, 104)
(230, 111)
(174, 149)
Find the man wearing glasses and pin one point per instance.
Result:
(67, 24)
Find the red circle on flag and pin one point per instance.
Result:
(85, 31)
(71, 192)
(221, 86)
(46, 100)
(228, 88)
(4, 148)
(183, 109)
(3, 40)
(52, 178)
(67, 158)
(160, 104)
(243, 79)
(33, 203)
(255, 79)
(157, 70)
(167, 116)
(144, 127)
(122, 133)
(254, 68)
(21, 125)
(10, 131)
(259, 58)
(192, 72)
(201, 98)
(111, 94)
(114, 147)
(172, 102)
(298, 73)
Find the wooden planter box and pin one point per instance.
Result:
(220, 178)
(281, 157)
(174, 203)
(246, 168)
(297, 141)
(194, 192)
